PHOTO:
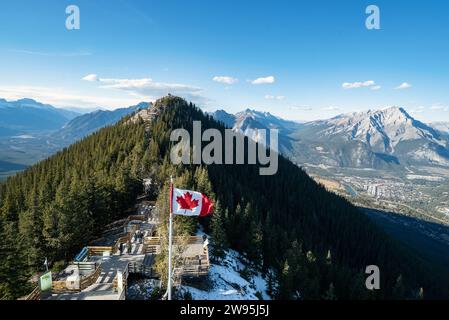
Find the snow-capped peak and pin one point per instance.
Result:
(381, 129)
(252, 119)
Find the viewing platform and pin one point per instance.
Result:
(128, 246)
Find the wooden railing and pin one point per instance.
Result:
(151, 250)
(90, 279)
(35, 294)
(195, 270)
(124, 279)
(94, 251)
(194, 266)
(139, 217)
(198, 266)
(151, 245)
(152, 241)
(124, 239)
(86, 266)
(190, 240)
(60, 286)
(140, 268)
(122, 295)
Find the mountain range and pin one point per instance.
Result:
(443, 127)
(314, 243)
(88, 123)
(27, 115)
(381, 139)
(371, 139)
(31, 131)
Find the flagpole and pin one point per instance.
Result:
(170, 234)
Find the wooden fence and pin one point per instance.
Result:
(124, 279)
(139, 217)
(190, 240)
(140, 268)
(90, 279)
(98, 251)
(193, 266)
(124, 239)
(35, 294)
(195, 270)
(86, 266)
(60, 286)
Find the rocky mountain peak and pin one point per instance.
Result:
(380, 129)
(155, 108)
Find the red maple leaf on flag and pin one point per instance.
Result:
(186, 201)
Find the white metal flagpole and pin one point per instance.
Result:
(170, 234)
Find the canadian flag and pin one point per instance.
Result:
(190, 203)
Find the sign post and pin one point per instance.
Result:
(45, 281)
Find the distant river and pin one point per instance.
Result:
(349, 189)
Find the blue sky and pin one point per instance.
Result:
(301, 60)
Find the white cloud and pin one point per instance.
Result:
(91, 78)
(270, 97)
(361, 84)
(225, 79)
(52, 54)
(331, 108)
(375, 88)
(301, 108)
(264, 80)
(404, 85)
(147, 89)
(419, 109)
(62, 98)
(439, 107)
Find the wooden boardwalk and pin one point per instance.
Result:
(105, 286)
(99, 267)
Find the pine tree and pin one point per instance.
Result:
(330, 293)
(286, 284)
(328, 258)
(220, 243)
(89, 184)
(13, 271)
(399, 289)
(421, 293)
(271, 289)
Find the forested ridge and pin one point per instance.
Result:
(55, 207)
(316, 242)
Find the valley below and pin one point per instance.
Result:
(427, 239)
(406, 199)
(26, 140)
(411, 206)
(20, 152)
(421, 192)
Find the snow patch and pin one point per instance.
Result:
(429, 155)
(227, 282)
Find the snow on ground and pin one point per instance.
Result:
(228, 284)
(142, 289)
